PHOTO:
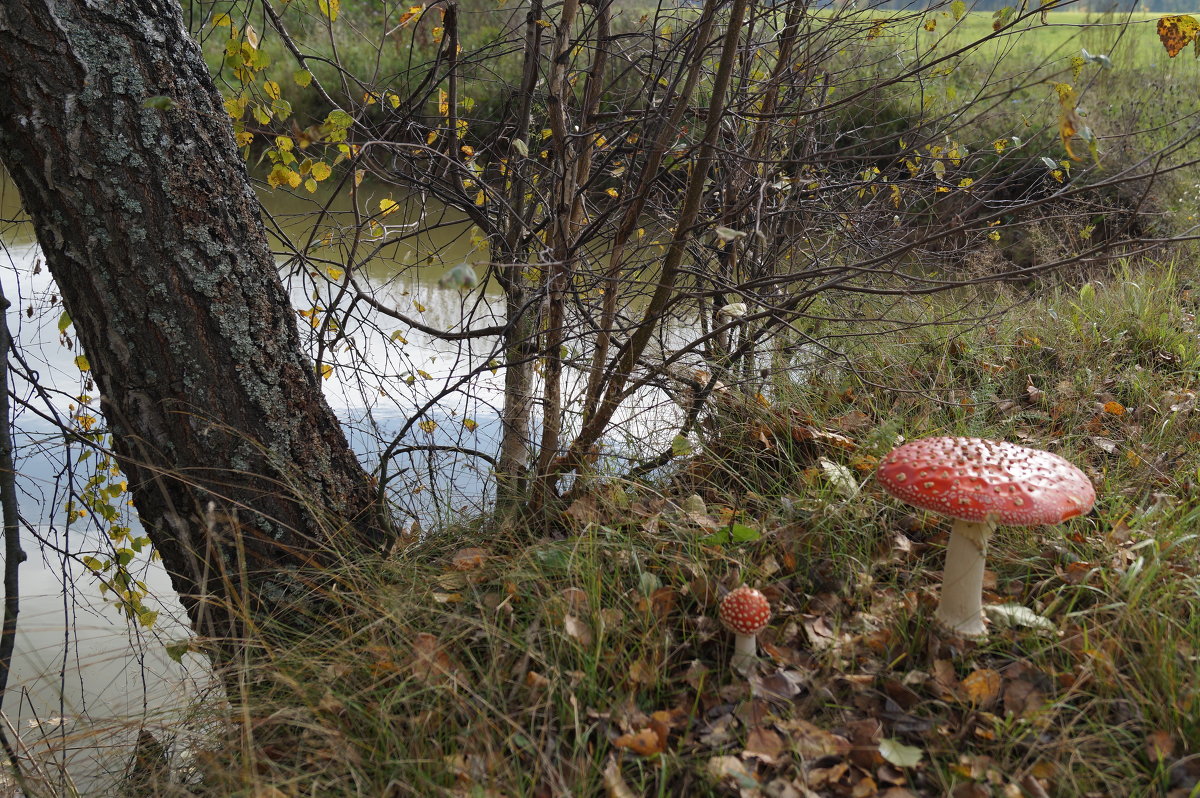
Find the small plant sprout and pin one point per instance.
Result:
(745, 612)
(980, 484)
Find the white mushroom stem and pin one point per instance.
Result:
(961, 607)
(745, 651)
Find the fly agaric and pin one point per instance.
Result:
(980, 484)
(746, 612)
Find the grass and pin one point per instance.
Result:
(588, 661)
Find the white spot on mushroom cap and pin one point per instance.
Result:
(977, 480)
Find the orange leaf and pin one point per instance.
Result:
(1115, 408)
(646, 742)
(982, 687)
(1177, 32)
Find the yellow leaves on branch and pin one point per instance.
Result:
(1177, 32)
(330, 8)
(1069, 123)
(281, 175)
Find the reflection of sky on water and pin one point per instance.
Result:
(77, 660)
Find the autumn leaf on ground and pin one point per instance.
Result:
(468, 559)
(982, 687)
(764, 744)
(1177, 32)
(645, 742)
(899, 754)
(1159, 745)
(578, 630)
(730, 768)
(614, 782)
(430, 662)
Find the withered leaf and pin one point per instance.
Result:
(982, 687)
(468, 559)
(644, 742)
(578, 630)
(765, 744)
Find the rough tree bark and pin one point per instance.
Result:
(239, 470)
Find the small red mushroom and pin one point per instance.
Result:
(746, 612)
(980, 484)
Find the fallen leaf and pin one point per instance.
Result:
(945, 679)
(468, 559)
(730, 767)
(765, 744)
(812, 742)
(1022, 698)
(614, 782)
(430, 663)
(578, 630)
(982, 687)
(1159, 745)
(899, 754)
(644, 742)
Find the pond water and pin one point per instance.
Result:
(84, 680)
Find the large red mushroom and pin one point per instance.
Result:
(980, 484)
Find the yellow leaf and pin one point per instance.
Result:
(425, 375)
(281, 175)
(325, 371)
(388, 206)
(612, 192)
(470, 424)
(219, 20)
(428, 426)
(330, 8)
(284, 143)
(235, 107)
(430, 138)
(982, 686)
(420, 308)
(310, 186)
(244, 139)
(271, 88)
(321, 170)
(82, 363)
(443, 103)
(398, 337)
(393, 99)
(252, 36)
(1177, 32)
(334, 272)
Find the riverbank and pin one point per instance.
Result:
(588, 659)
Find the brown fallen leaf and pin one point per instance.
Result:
(765, 744)
(730, 767)
(578, 630)
(430, 663)
(468, 559)
(1159, 745)
(614, 782)
(982, 687)
(644, 742)
(813, 742)
(1022, 698)
(945, 679)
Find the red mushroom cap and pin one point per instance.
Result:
(980, 480)
(745, 611)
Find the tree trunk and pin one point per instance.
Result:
(239, 469)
